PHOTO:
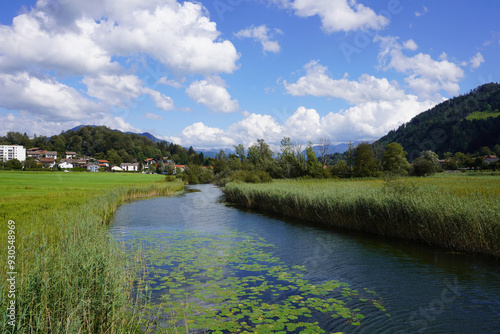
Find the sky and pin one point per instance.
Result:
(218, 73)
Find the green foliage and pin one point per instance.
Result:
(452, 211)
(394, 160)
(478, 115)
(74, 277)
(232, 283)
(101, 142)
(461, 124)
(365, 164)
(422, 167)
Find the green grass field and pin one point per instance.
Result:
(482, 115)
(453, 211)
(71, 276)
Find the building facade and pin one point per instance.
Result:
(9, 152)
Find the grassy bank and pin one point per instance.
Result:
(71, 276)
(451, 211)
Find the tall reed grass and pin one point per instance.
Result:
(456, 212)
(71, 276)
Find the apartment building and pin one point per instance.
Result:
(9, 152)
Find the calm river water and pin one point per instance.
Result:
(425, 290)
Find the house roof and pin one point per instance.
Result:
(71, 153)
(47, 160)
(103, 160)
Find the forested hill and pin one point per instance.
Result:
(101, 142)
(462, 124)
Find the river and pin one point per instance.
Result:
(422, 289)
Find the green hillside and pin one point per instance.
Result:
(462, 124)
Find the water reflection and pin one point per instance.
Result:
(425, 289)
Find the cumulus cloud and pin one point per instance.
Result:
(202, 137)
(213, 95)
(44, 96)
(262, 35)
(426, 76)
(340, 15)
(65, 41)
(476, 60)
(114, 89)
(365, 121)
(161, 101)
(317, 82)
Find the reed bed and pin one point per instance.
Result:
(457, 212)
(71, 276)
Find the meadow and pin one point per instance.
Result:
(70, 275)
(458, 212)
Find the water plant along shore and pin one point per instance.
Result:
(71, 275)
(457, 212)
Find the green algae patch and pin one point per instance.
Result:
(232, 283)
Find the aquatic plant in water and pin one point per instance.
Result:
(231, 282)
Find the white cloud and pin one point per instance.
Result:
(366, 121)
(63, 41)
(153, 116)
(423, 12)
(261, 34)
(201, 136)
(426, 76)
(316, 82)
(168, 82)
(253, 127)
(161, 101)
(114, 90)
(45, 97)
(340, 15)
(34, 124)
(410, 45)
(30, 43)
(180, 36)
(213, 95)
(476, 60)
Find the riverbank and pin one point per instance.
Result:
(70, 276)
(452, 211)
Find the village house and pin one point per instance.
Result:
(48, 162)
(490, 158)
(70, 155)
(130, 167)
(92, 167)
(103, 163)
(35, 152)
(65, 165)
(50, 154)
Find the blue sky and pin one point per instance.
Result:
(213, 74)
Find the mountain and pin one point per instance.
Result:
(145, 134)
(465, 123)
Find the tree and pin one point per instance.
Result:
(324, 148)
(365, 164)
(340, 169)
(394, 160)
(422, 167)
(314, 167)
(30, 163)
(432, 157)
(240, 151)
(14, 164)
